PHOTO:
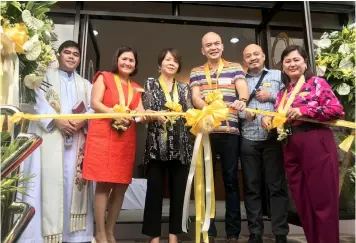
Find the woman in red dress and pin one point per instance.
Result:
(110, 153)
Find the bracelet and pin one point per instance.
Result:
(243, 100)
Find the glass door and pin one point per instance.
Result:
(90, 54)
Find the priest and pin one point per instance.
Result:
(61, 198)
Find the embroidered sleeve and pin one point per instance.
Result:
(327, 107)
(148, 100)
(186, 98)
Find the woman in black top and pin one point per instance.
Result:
(168, 146)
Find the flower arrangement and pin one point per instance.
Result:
(335, 59)
(31, 31)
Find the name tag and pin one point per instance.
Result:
(224, 81)
(303, 94)
(266, 84)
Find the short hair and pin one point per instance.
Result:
(174, 52)
(308, 72)
(68, 43)
(118, 53)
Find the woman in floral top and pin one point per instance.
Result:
(310, 155)
(168, 146)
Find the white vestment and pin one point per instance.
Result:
(33, 232)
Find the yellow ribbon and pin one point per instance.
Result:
(207, 73)
(173, 105)
(213, 96)
(216, 94)
(18, 34)
(281, 119)
(121, 92)
(202, 122)
(208, 118)
(346, 144)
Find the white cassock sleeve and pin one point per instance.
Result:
(42, 106)
(89, 109)
(89, 87)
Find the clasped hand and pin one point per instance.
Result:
(69, 127)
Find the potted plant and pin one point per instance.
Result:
(335, 59)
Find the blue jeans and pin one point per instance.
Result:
(227, 147)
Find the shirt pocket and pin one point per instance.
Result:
(270, 85)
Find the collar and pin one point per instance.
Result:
(226, 63)
(253, 76)
(66, 75)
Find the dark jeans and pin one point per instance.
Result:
(264, 158)
(227, 147)
(177, 175)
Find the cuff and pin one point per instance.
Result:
(273, 97)
(48, 124)
(242, 114)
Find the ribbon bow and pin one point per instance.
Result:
(202, 122)
(211, 116)
(174, 106)
(120, 109)
(213, 96)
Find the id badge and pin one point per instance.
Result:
(224, 81)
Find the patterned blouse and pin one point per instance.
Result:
(315, 100)
(178, 144)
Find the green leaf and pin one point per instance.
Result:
(29, 5)
(40, 11)
(17, 5)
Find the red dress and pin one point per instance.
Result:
(109, 155)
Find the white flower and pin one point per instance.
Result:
(344, 48)
(324, 43)
(334, 34)
(32, 48)
(343, 89)
(320, 70)
(346, 64)
(325, 35)
(317, 51)
(46, 35)
(32, 81)
(30, 21)
(351, 26)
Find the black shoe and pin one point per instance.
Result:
(281, 239)
(255, 239)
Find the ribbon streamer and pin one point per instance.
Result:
(281, 119)
(202, 122)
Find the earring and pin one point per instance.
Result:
(159, 69)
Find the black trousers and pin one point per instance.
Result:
(264, 157)
(177, 174)
(227, 147)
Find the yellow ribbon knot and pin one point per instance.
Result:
(211, 116)
(213, 96)
(121, 108)
(174, 106)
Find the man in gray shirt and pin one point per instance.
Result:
(261, 153)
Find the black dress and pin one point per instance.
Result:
(178, 144)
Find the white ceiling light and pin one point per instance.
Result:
(95, 32)
(234, 40)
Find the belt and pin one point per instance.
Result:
(305, 127)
